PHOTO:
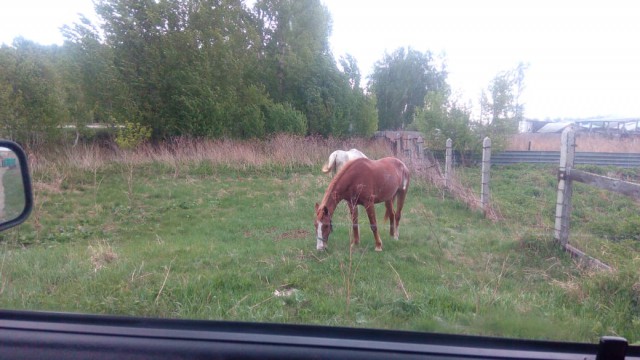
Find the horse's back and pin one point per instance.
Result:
(391, 162)
(339, 158)
(385, 163)
(355, 154)
(378, 171)
(393, 165)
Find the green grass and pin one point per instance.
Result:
(215, 242)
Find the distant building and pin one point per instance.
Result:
(554, 127)
(531, 125)
(610, 125)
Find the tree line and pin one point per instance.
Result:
(218, 68)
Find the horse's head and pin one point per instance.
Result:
(323, 226)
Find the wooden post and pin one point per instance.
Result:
(448, 163)
(397, 143)
(406, 147)
(565, 189)
(620, 186)
(486, 167)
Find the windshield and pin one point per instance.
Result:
(441, 167)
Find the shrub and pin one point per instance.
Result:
(132, 135)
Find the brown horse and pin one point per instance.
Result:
(364, 182)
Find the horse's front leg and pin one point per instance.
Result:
(371, 212)
(353, 207)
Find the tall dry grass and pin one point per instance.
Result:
(586, 142)
(286, 150)
(283, 150)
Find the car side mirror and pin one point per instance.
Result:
(16, 194)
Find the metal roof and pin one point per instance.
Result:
(554, 127)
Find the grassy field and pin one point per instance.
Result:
(225, 233)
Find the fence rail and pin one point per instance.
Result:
(549, 157)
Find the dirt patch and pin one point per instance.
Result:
(294, 234)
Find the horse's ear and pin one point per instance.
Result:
(317, 206)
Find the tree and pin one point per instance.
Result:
(93, 90)
(350, 69)
(298, 64)
(208, 68)
(188, 66)
(133, 30)
(31, 94)
(501, 109)
(400, 82)
(441, 119)
(300, 70)
(295, 39)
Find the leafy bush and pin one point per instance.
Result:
(285, 118)
(132, 135)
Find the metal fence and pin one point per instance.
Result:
(547, 157)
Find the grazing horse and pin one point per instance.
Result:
(338, 158)
(364, 182)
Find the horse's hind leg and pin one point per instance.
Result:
(371, 212)
(392, 218)
(400, 196)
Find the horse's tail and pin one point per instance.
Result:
(331, 164)
(404, 184)
(405, 177)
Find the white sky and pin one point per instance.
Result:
(583, 56)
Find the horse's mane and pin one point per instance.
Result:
(337, 178)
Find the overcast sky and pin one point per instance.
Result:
(583, 56)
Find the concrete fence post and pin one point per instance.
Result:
(565, 188)
(448, 164)
(486, 167)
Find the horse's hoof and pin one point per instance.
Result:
(379, 248)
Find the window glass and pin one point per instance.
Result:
(226, 160)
